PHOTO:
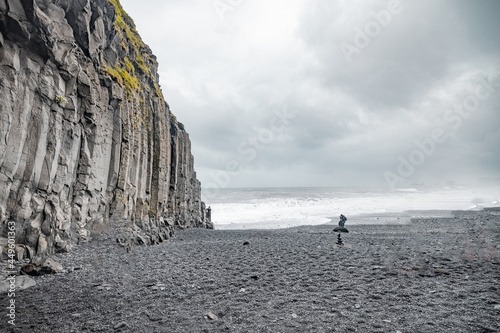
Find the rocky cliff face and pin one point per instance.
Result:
(86, 139)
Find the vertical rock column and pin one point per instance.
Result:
(86, 140)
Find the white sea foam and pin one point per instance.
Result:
(285, 207)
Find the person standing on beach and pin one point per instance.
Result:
(341, 229)
(342, 221)
(209, 213)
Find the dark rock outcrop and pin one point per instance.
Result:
(86, 139)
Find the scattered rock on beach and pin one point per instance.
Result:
(103, 286)
(211, 316)
(73, 268)
(121, 325)
(42, 266)
(377, 267)
(159, 286)
(441, 271)
(49, 266)
(22, 282)
(246, 243)
(28, 269)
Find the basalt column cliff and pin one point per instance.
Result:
(87, 141)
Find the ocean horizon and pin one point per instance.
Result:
(284, 207)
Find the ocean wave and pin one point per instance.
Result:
(317, 206)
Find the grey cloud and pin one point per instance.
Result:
(398, 64)
(352, 120)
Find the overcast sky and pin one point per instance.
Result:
(331, 93)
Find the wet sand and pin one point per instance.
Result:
(431, 275)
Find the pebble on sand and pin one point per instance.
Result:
(211, 316)
(121, 325)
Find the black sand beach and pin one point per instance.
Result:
(432, 275)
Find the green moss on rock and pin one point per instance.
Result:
(125, 71)
(129, 81)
